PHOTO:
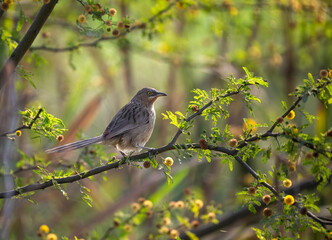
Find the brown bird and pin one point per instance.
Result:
(130, 128)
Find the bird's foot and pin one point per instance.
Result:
(125, 157)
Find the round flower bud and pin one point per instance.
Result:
(266, 199)
(172, 204)
(87, 8)
(4, 6)
(280, 119)
(252, 190)
(120, 25)
(164, 230)
(166, 221)
(287, 183)
(199, 203)
(44, 229)
(180, 204)
(81, 19)
(108, 23)
(195, 224)
(290, 115)
(128, 228)
(232, 142)
(60, 138)
(147, 204)
(194, 108)
(112, 12)
(267, 212)
(292, 167)
(168, 161)
(51, 236)
(289, 200)
(203, 143)
(116, 222)
(211, 216)
(135, 206)
(147, 164)
(173, 234)
(115, 32)
(324, 73)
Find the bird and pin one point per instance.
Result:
(129, 130)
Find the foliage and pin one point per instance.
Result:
(273, 143)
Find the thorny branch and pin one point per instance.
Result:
(24, 127)
(103, 38)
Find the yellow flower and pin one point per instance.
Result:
(249, 125)
(147, 204)
(199, 203)
(128, 228)
(51, 236)
(18, 133)
(289, 200)
(166, 221)
(163, 230)
(135, 206)
(81, 19)
(44, 228)
(174, 234)
(292, 167)
(291, 115)
(211, 216)
(168, 161)
(179, 204)
(287, 183)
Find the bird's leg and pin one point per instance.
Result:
(126, 157)
(145, 148)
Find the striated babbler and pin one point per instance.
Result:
(130, 128)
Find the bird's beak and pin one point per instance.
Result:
(159, 94)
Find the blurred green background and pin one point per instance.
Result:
(195, 44)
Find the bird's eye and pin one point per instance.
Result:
(149, 93)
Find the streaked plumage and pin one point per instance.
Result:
(130, 128)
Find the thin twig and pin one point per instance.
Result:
(101, 39)
(23, 126)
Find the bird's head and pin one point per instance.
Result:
(148, 95)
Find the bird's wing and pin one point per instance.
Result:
(129, 117)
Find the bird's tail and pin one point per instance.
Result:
(75, 145)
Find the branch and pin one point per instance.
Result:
(101, 39)
(97, 170)
(24, 127)
(28, 38)
(200, 111)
